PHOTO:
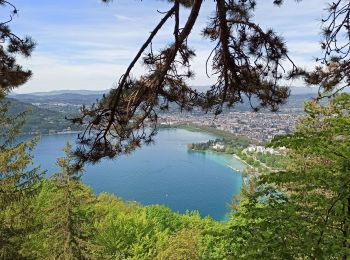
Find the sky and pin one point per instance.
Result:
(86, 44)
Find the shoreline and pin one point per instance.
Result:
(220, 133)
(234, 169)
(233, 156)
(242, 161)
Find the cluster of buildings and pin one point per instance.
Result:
(59, 107)
(264, 150)
(219, 146)
(257, 126)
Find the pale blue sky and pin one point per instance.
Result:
(85, 44)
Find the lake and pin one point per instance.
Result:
(162, 173)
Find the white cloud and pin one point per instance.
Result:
(123, 18)
(51, 73)
(90, 47)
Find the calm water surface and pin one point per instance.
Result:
(163, 173)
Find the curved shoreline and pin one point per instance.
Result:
(232, 156)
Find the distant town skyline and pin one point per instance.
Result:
(85, 44)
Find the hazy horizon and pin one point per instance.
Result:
(294, 90)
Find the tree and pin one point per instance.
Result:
(246, 60)
(19, 182)
(12, 74)
(303, 211)
(67, 218)
(182, 245)
(332, 73)
(320, 175)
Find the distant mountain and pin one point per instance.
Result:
(64, 98)
(58, 92)
(303, 90)
(294, 90)
(69, 101)
(294, 104)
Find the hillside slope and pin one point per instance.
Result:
(40, 120)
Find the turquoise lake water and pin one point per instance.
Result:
(162, 173)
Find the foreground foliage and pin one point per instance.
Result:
(19, 181)
(105, 227)
(304, 211)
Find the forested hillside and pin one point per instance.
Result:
(41, 120)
